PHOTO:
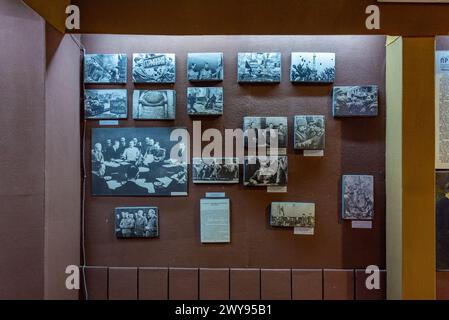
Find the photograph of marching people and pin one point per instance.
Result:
(136, 162)
(312, 67)
(292, 214)
(262, 131)
(154, 68)
(265, 171)
(205, 66)
(309, 132)
(206, 101)
(106, 104)
(136, 222)
(355, 101)
(154, 104)
(358, 197)
(215, 170)
(259, 67)
(105, 68)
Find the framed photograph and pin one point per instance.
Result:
(137, 162)
(309, 132)
(310, 67)
(292, 214)
(358, 197)
(205, 101)
(215, 170)
(259, 67)
(154, 104)
(106, 104)
(265, 171)
(105, 68)
(355, 101)
(263, 131)
(136, 222)
(215, 218)
(442, 219)
(205, 66)
(154, 68)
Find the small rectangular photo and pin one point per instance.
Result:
(215, 170)
(355, 101)
(261, 171)
(136, 222)
(292, 214)
(154, 104)
(206, 101)
(358, 197)
(309, 132)
(106, 104)
(442, 219)
(310, 67)
(154, 68)
(205, 66)
(264, 131)
(105, 68)
(259, 67)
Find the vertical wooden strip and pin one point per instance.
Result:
(338, 284)
(153, 283)
(214, 284)
(275, 284)
(361, 290)
(307, 284)
(122, 283)
(183, 284)
(96, 283)
(245, 284)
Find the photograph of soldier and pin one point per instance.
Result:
(106, 104)
(215, 170)
(355, 101)
(259, 67)
(265, 171)
(105, 68)
(205, 101)
(154, 68)
(266, 132)
(358, 197)
(136, 222)
(309, 132)
(154, 104)
(205, 66)
(442, 219)
(312, 67)
(292, 214)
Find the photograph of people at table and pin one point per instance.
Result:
(136, 162)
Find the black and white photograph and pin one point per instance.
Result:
(309, 132)
(263, 131)
(105, 68)
(310, 67)
(292, 214)
(205, 66)
(136, 222)
(442, 219)
(263, 171)
(358, 197)
(154, 68)
(215, 170)
(355, 101)
(154, 104)
(259, 67)
(206, 101)
(137, 162)
(106, 104)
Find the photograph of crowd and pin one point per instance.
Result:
(442, 219)
(154, 104)
(215, 170)
(205, 66)
(259, 67)
(154, 68)
(358, 197)
(136, 222)
(105, 68)
(355, 101)
(312, 67)
(136, 162)
(292, 214)
(309, 132)
(205, 101)
(261, 131)
(106, 104)
(265, 171)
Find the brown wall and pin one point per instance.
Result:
(353, 146)
(22, 137)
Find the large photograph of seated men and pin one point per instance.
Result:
(215, 170)
(136, 162)
(205, 66)
(136, 222)
(265, 171)
(105, 68)
(262, 131)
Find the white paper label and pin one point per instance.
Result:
(304, 231)
(362, 224)
(215, 195)
(108, 122)
(175, 194)
(277, 189)
(313, 153)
